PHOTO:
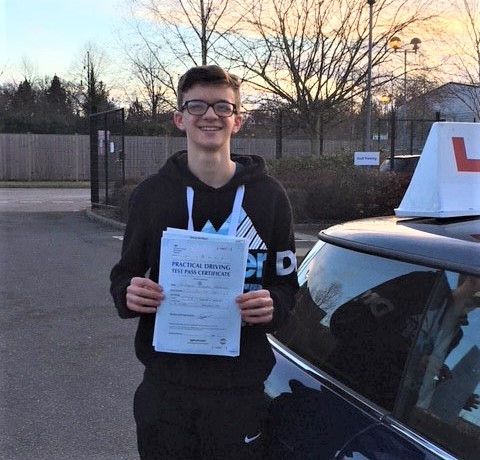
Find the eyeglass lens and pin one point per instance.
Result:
(221, 108)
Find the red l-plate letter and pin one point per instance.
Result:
(464, 164)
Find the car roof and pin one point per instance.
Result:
(452, 244)
(406, 157)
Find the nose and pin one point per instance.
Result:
(210, 112)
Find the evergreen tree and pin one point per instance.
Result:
(58, 110)
(21, 115)
(57, 98)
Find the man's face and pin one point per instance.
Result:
(209, 131)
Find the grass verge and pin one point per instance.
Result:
(44, 184)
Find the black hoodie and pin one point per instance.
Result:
(160, 202)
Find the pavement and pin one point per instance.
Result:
(68, 370)
(43, 199)
(67, 366)
(58, 200)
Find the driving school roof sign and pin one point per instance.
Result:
(446, 181)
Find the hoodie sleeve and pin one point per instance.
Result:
(281, 276)
(134, 260)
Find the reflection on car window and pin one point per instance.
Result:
(357, 316)
(442, 385)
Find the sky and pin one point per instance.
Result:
(52, 34)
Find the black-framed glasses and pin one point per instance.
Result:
(221, 108)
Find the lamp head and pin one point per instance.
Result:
(395, 43)
(415, 42)
(385, 99)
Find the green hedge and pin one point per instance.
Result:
(323, 189)
(334, 189)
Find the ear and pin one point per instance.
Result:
(237, 124)
(178, 120)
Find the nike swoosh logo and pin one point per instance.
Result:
(248, 440)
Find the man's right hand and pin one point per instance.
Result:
(144, 295)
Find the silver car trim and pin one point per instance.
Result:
(411, 435)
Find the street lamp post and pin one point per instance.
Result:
(396, 45)
(387, 100)
(368, 121)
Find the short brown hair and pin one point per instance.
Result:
(208, 75)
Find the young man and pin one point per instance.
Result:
(199, 406)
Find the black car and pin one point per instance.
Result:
(402, 164)
(381, 357)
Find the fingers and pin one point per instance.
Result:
(472, 403)
(144, 295)
(256, 307)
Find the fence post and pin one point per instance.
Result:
(77, 154)
(29, 156)
(279, 135)
(106, 152)
(167, 147)
(94, 158)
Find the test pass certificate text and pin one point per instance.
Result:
(201, 275)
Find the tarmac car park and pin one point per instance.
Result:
(381, 358)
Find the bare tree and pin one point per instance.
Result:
(466, 57)
(312, 54)
(148, 70)
(173, 36)
(186, 26)
(87, 84)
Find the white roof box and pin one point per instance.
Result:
(446, 181)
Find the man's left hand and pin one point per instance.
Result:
(256, 307)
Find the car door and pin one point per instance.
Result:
(440, 394)
(379, 442)
(341, 357)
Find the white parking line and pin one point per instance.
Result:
(304, 237)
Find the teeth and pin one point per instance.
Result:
(209, 129)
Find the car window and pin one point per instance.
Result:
(442, 383)
(357, 316)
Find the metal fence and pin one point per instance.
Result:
(107, 155)
(56, 157)
(65, 157)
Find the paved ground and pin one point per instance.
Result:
(43, 200)
(67, 366)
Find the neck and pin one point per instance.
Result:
(214, 170)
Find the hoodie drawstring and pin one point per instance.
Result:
(237, 206)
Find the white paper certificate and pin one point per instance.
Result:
(201, 275)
